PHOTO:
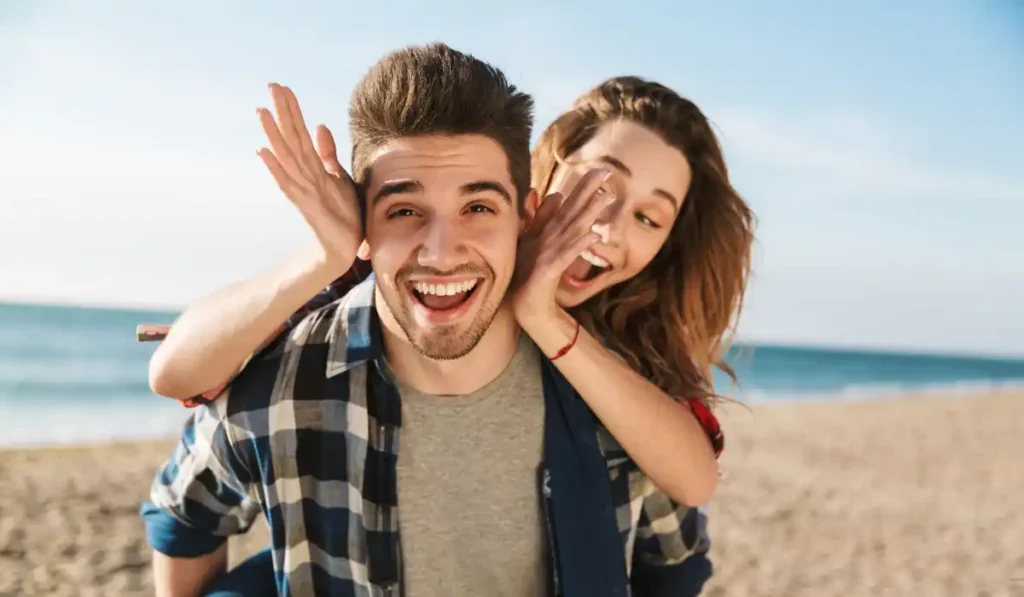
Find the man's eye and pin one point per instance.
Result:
(402, 212)
(478, 208)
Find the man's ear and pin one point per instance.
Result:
(363, 252)
(530, 206)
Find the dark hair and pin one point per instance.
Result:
(435, 90)
(673, 321)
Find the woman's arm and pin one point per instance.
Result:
(661, 434)
(215, 336)
(339, 288)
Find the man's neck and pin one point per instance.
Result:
(456, 377)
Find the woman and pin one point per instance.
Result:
(668, 298)
(658, 286)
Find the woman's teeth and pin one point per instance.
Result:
(594, 259)
(449, 289)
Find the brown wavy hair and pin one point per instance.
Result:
(673, 322)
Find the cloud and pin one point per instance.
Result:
(552, 97)
(829, 152)
(846, 155)
(902, 307)
(131, 182)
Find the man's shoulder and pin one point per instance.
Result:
(345, 321)
(326, 343)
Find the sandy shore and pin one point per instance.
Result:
(916, 498)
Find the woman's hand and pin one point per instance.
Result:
(558, 233)
(312, 178)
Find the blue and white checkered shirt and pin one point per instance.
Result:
(307, 434)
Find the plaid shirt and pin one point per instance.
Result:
(308, 435)
(359, 271)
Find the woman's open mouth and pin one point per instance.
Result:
(585, 269)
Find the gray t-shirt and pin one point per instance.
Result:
(468, 500)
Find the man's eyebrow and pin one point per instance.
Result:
(480, 186)
(618, 165)
(397, 187)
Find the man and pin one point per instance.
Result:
(416, 390)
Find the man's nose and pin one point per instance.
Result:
(442, 246)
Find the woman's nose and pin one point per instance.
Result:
(610, 224)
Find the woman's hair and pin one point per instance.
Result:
(674, 320)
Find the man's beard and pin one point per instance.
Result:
(442, 342)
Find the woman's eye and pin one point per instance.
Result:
(646, 221)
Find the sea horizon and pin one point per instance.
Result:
(77, 375)
(166, 313)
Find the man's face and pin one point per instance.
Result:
(442, 227)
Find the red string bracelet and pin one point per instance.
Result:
(568, 347)
(709, 422)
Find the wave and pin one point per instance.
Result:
(855, 392)
(27, 424)
(148, 418)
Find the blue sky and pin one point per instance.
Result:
(881, 144)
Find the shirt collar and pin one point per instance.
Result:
(354, 335)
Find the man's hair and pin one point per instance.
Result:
(435, 90)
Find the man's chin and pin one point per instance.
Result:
(445, 347)
(448, 341)
(444, 335)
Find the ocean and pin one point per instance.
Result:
(72, 374)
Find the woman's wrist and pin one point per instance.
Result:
(316, 268)
(551, 331)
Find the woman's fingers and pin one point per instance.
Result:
(277, 142)
(284, 181)
(296, 131)
(584, 194)
(328, 152)
(547, 210)
(588, 219)
(569, 251)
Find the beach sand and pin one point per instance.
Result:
(915, 497)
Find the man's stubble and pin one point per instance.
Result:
(447, 342)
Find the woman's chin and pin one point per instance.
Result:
(573, 297)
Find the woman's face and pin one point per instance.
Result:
(650, 178)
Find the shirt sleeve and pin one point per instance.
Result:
(670, 555)
(202, 494)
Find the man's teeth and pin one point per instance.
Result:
(444, 289)
(593, 259)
